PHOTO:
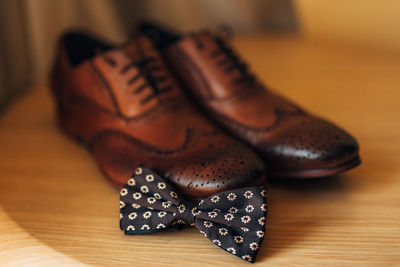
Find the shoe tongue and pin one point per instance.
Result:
(215, 59)
(141, 48)
(201, 37)
(200, 40)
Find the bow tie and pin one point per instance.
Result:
(233, 220)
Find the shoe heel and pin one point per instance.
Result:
(69, 125)
(65, 119)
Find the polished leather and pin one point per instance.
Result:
(293, 142)
(124, 104)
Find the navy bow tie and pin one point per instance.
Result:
(233, 220)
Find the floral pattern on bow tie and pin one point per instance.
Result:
(233, 220)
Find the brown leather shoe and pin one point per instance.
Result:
(292, 142)
(125, 105)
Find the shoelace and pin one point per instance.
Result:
(231, 59)
(147, 70)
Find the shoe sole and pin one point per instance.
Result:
(318, 173)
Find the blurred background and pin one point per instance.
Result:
(30, 28)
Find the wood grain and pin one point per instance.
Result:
(56, 208)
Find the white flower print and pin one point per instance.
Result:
(238, 239)
(231, 196)
(217, 242)
(215, 199)
(195, 211)
(147, 214)
(132, 216)
(246, 219)
(161, 185)
(201, 202)
(135, 206)
(137, 195)
(233, 210)
(212, 214)
(249, 208)
(161, 214)
(157, 196)
(121, 216)
(145, 227)
(229, 217)
(130, 228)
(254, 246)
(173, 194)
(203, 233)
(181, 208)
(223, 231)
(261, 221)
(160, 226)
(248, 194)
(208, 224)
(246, 257)
(131, 182)
(149, 178)
(151, 200)
(263, 192)
(245, 229)
(231, 250)
(166, 204)
(144, 189)
(260, 234)
(264, 207)
(121, 204)
(124, 192)
(138, 171)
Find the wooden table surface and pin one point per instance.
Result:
(56, 208)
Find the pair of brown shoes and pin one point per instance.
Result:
(186, 107)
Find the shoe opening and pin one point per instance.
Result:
(81, 46)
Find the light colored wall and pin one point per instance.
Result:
(376, 22)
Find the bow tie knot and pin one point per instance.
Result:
(184, 213)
